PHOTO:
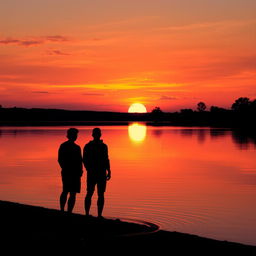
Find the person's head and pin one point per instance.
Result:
(72, 134)
(96, 133)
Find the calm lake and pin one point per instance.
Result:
(193, 180)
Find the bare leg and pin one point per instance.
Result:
(87, 202)
(63, 200)
(71, 201)
(100, 204)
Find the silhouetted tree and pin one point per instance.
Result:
(241, 104)
(201, 107)
(157, 110)
(156, 113)
(186, 111)
(215, 109)
(253, 106)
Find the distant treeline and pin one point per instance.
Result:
(241, 114)
(38, 116)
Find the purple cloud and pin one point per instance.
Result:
(20, 42)
(57, 52)
(30, 43)
(9, 41)
(56, 38)
(34, 41)
(40, 92)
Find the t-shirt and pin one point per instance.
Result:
(70, 158)
(95, 156)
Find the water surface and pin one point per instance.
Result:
(193, 180)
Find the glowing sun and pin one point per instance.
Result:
(137, 108)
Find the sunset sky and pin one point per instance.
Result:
(106, 55)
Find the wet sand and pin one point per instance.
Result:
(36, 230)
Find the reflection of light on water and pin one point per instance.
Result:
(137, 132)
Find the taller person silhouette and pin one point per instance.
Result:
(96, 162)
(70, 160)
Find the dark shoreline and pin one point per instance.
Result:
(44, 123)
(114, 123)
(187, 117)
(28, 228)
(61, 123)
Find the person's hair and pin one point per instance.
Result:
(72, 131)
(96, 131)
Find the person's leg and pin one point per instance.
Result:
(101, 187)
(100, 203)
(90, 190)
(63, 200)
(71, 201)
(88, 201)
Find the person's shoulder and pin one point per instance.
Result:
(104, 145)
(64, 144)
(88, 144)
(77, 146)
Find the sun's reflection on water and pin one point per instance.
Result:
(137, 132)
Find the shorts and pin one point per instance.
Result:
(93, 180)
(71, 183)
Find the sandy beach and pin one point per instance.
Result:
(29, 229)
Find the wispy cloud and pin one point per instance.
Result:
(124, 23)
(57, 38)
(164, 97)
(57, 52)
(20, 42)
(93, 94)
(34, 41)
(226, 24)
(42, 92)
(119, 86)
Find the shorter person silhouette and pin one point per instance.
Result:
(70, 160)
(96, 162)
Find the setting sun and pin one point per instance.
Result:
(137, 108)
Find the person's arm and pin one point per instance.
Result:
(81, 161)
(108, 174)
(108, 165)
(85, 157)
(61, 157)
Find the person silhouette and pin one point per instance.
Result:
(70, 161)
(96, 162)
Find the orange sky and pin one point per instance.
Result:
(105, 55)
